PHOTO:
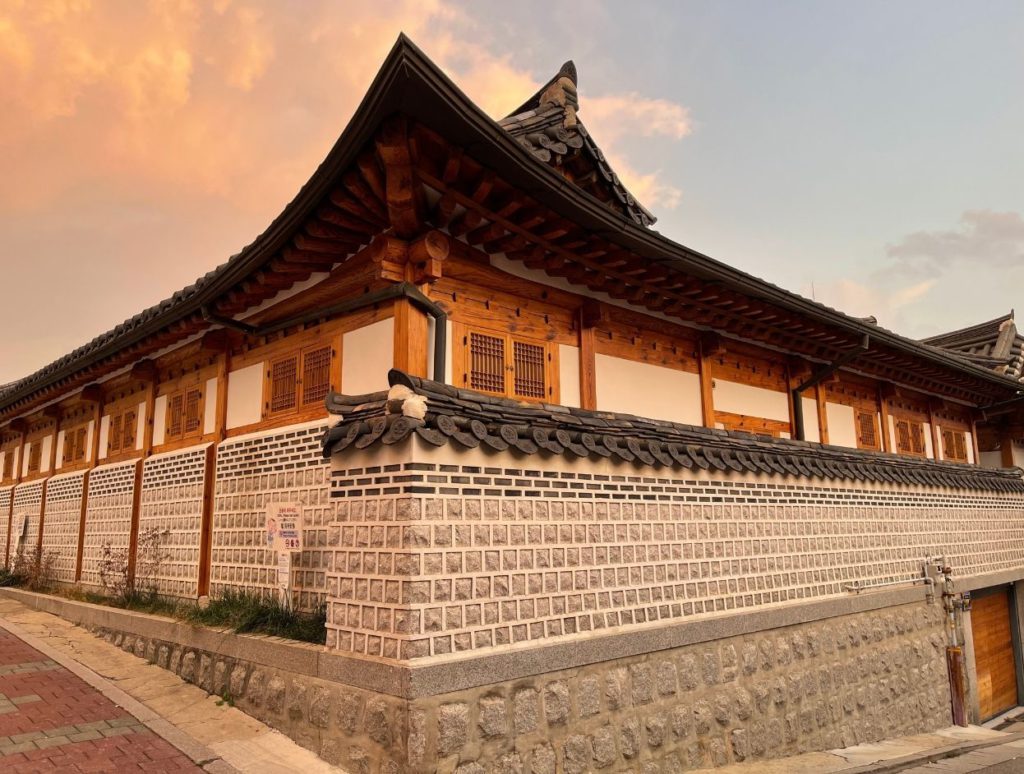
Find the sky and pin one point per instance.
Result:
(865, 154)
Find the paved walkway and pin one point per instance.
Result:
(52, 720)
(81, 702)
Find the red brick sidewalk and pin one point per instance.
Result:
(51, 720)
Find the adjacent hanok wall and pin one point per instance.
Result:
(6, 495)
(282, 465)
(170, 521)
(61, 521)
(108, 517)
(444, 551)
(28, 505)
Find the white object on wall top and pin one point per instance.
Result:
(159, 420)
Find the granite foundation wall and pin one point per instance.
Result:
(440, 552)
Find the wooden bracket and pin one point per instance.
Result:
(390, 256)
(52, 412)
(711, 344)
(19, 425)
(91, 393)
(220, 340)
(144, 371)
(426, 256)
(592, 312)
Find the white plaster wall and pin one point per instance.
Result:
(750, 401)
(210, 409)
(367, 354)
(940, 453)
(929, 451)
(245, 395)
(104, 435)
(58, 461)
(3, 457)
(16, 452)
(159, 420)
(1018, 455)
(969, 440)
(90, 429)
(140, 426)
(24, 460)
(44, 463)
(648, 390)
(811, 430)
(991, 459)
(842, 426)
(569, 375)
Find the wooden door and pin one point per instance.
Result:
(993, 653)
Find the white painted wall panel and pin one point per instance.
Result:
(58, 461)
(44, 463)
(140, 426)
(569, 375)
(751, 401)
(648, 390)
(210, 410)
(811, 430)
(928, 450)
(24, 460)
(104, 434)
(90, 429)
(447, 376)
(367, 356)
(992, 459)
(245, 396)
(1018, 455)
(969, 441)
(842, 426)
(159, 420)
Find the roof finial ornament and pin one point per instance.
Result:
(561, 90)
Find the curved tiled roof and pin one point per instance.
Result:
(994, 344)
(441, 414)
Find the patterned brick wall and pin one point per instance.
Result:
(462, 552)
(283, 465)
(170, 521)
(5, 527)
(28, 503)
(63, 516)
(108, 516)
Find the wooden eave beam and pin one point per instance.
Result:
(403, 193)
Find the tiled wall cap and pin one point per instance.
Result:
(471, 420)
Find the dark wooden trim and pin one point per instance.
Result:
(206, 522)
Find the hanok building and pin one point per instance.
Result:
(590, 498)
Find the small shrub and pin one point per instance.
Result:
(245, 612)
(31, 571)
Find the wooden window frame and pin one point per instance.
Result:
(35, 457)
(8, 473)
(462, 360)
(74, 451)
(859, 415)
(954, 435)
(300, 406)
(184, 432)
(915, 429)
(116, 429)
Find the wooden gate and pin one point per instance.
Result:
(993, 653)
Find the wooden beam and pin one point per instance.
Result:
(427, 255)
(820, 402)
(936, 438)
(133, 534)
(80, 551)
(1006, 449)
(91, 393)
(404, 206)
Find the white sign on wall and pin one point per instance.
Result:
(284, 572)
(284, 527)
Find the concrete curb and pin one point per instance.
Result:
(929, 756)
(198, 753)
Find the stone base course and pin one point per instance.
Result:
(829, 683)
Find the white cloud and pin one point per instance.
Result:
(984, 237)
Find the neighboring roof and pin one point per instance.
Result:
(409, 83)
(995, 344)
(441, 414)
(549, 127)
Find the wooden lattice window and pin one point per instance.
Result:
(316, 375)
(504, 365)
(910, 437)
(35, 456)
(300, 379)
(184, 414)
(74, 445)
(114, 434)
(9, 464)
(867, 430)
(193, 410)
(175, 415)
(954, 445)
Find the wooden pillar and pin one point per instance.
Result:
(81, 527)
(133, 536)
(411, 331)
(51, 470)
(974, 441)
(1005, 449)
(820, 401)
(709, 345)
(93, 461)
(883, 407)
(210, 474)
(590, 314)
